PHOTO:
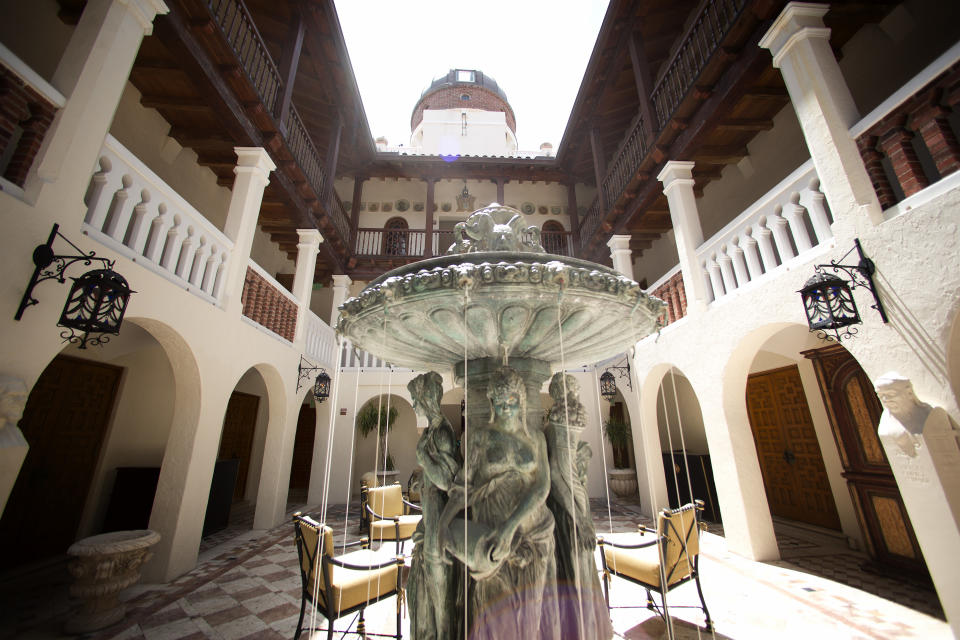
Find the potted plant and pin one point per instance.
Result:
(623, 478)
(367, 423)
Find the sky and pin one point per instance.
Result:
(536, 50)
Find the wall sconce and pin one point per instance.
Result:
(321, 384)
(97, 299)
(608, 384)
(828, 300)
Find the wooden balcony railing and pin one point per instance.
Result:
(912, 145)
(628, 157)
(696, 48)
(557, 242)
(390, 242)
(241, 33)
(590, 222)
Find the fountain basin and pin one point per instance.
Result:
(498, 304)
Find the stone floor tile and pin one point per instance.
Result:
(226, 615)
(240, 627)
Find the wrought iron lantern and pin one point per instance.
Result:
(97, 300)
(321, 384)
(608, 386)
(828, 299)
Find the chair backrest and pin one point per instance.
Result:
(311, 552)
(680, 528)
(386, 501)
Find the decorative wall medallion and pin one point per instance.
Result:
(446, 206)
(387, 207)
(542, 210)
(347, 206)
(555, 209)
(528, 208)
(403, 204)
(363, 206)
(418, 206)
(374, 206)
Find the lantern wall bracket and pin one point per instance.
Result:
(860, 274)
(305, 371)
(622, 370)
(50, 266)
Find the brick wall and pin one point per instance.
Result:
(449, 98)
(673, 293)
(25, 116)
(267, 306)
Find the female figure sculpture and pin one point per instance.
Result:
(432, 583)
(583, 612)
(509, 545)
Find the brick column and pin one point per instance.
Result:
(800, 44)
(930, 121)
(896, 143)
(873, 161)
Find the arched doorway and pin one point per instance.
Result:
(396, 237)
(553, 238)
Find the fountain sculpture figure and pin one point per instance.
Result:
(513, 519)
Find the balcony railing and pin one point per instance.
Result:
(625, 162)
(268, 303)
(696, 48)
(353, 358)
(390, 242)
(557, 242)
(786, 222)
(590, 222)
(320, 342)
(241, 33)
(28, 104)
(134, 212)
(670, 289)
(907, 143)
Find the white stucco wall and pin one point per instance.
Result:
(34, 33)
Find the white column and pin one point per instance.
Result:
(677, 179)
(92, 74)
(307, 249)
(800, 44)
(341, 291)
(253, 170)
(921, 444)
(620, 255)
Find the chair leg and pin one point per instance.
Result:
(709, 624)
(606, 588)
(362, 626)
(303, 606)
(650, 604)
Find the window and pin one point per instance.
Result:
(465, 76)
(464, 96)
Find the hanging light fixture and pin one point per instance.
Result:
(608, 383)
(321, 384)
(97, 300)
(608, 386)
(828, 299)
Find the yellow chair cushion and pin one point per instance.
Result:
(386, 501)
(640, 564)
(384, 529)
(351, 587)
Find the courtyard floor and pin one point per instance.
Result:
(247, 585)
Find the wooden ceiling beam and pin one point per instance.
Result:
(178, 103)
(747, 124)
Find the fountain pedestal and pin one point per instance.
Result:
(103, 566)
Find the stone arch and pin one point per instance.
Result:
(401, 440)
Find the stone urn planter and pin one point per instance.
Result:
(387, 477)
(103, 566)
(623, 482)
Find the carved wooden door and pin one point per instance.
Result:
(854, 411)
(236, 440)
(303, 448)
(790, 458)
(64, 422)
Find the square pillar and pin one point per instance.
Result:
(253, 170)
(307, 249)
(620, 255)
(677, 179)
(92, 75)
(800, 45)
(341, 291)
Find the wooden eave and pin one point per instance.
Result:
(394, 165)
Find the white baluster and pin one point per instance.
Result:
(187, 250)
(221, 274)
(119, 219)
(726, 269)
(739, 264)
(210, 272)
(199, 262)
(794, 213)
(157, 234)
(716, 280)
(819, 216)
(707, 287)
(98, 183)
(749, 246)
(764, 238)
(171, 247)
(778, 224)
(117, 204)
(140, 219)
